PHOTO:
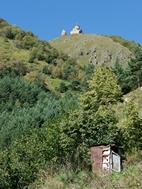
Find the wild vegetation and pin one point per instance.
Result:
(52, 109)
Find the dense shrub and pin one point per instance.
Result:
(62, 88)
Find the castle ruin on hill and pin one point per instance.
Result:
(75, 30)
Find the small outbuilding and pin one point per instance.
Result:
(106, 157)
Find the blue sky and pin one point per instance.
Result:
(47, 18)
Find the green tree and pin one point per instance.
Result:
(135, 68)
(28, 41)
(21, 162)
(75, 85)
(95, 122)
(45, 70)
(9, 34)
(131, 127)
(122, 76)
(104, 89)
(62, 88)
(80, 131)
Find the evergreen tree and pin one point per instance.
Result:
(122, 76)
(62, 88)
(135, 68)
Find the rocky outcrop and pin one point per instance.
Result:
(93, 49)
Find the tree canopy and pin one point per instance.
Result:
(104, 89)
(95, 122)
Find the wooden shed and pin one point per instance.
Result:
(106, 157)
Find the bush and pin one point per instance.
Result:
(31, 58)
(45, 70)
(9, 34)
(62, 88)
(75, 85)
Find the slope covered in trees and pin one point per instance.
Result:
(52, 109)
(37, 60)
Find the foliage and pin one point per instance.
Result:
(9, 34)
(104, 90)
(83, 130)
(89, 69)
(62, 88)
(15, 88)
(95, 122)
(75, 85)
(131, 127)
(29, 121)
(45, 70)
(130, 177)
(27, 156)
(40, 129)
(131, 45)
(70, 70)
(122, 76)
(24, 53)
(135, 68)
(3, 23)
(25, 105)
(130, 78)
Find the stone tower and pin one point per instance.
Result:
(63, 33)
(76, 30)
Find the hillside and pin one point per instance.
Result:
(69, 59)
(56, 102)
(95, 49)
(22, 52)
(92, 50)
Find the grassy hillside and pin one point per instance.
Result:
(94, 49)
(126, 43)
(35, 59)
(66, 59)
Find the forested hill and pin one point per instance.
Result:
(54, 105)
(61, 64)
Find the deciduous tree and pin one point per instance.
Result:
(95, 122)
(131, 127)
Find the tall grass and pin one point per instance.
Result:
(130, 177)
